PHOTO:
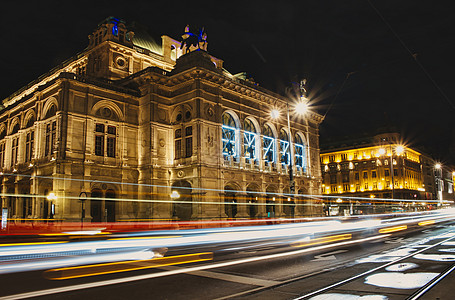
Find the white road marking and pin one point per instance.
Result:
(328, 256)
(229, 277)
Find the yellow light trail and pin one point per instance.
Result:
(125, 266)
(31, 244)
(393, 229)
(424, 223)
(146, 238)
(323, 240)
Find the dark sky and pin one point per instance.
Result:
(369, 64)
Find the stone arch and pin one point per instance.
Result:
(107, 104)
(14, 126)
(103, 209)
(29, 119)
(255, 123)
(230, 199)
(272, 127)
(182, 113)
(49, 108)
(271, 200)
(234, 116)
(3, 131)
(182, 206)
(252, 195)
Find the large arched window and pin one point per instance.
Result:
(249, 140)
(228, 136)
(284, 147)
(299, 153)
(268, 144)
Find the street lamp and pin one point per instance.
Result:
(438, 181)
(82, 198)
(51, 197)
(300, 108)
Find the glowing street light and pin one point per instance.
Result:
(175, 195)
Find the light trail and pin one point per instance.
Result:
(180, 271)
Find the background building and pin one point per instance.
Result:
(132, 128)
(377, 168)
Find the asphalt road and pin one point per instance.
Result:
(395, 266)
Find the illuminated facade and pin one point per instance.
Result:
(160, 125)
(379, 168)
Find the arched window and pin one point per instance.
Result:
(284, 147)
(299, 153)
(249, 140)
(228, 137)
(268, 144)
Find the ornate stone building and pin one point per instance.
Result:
(138, 129)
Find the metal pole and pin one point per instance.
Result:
(391, 171)
(291, 177)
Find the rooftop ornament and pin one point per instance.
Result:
(192, 42)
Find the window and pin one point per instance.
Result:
(333, 179)
(178, 143)
(249, 140)
(375, 185)
(284, 147)
(356, 175)
(345, 187)
(345, 177)
(29, 141)
(386, 162)
(331, 158)
(105, 136)
(111, 140)
(366, 186)
(14, 149)
(373, 174)
(51, 130)
(386, 173)
(299, 153)
(228, 135)
(365, 175)
(334, 189)
(99, 139)
(395, 172)
(268, 144)
(2, 155)
(189, 141)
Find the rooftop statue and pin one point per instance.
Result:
(192, 42)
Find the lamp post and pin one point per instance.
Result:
(82, 198)
(51, 197)
(438, 182)
(300, 108)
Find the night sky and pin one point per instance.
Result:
(368, 64)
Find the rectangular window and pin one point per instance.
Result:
(344, 156)
(386, 172)
(366, 186)
(331, 158)
(395, 172)
(345, 177)
(375, 185)
(188, 141)
(345, 187)
(356, 176)
(14, 148)
(365, 175)
(178, 147)
(2, 155)
(188, 147)
(111, 146)
(29, 146)
(373, 174)
(333, 179)
(99, 145)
